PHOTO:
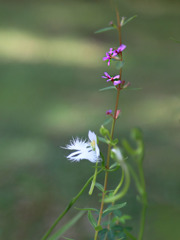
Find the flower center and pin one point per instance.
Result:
(93, 144)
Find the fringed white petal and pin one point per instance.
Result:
(83, 150)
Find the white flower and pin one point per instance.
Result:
(84, 149)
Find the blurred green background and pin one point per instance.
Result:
(50, 72)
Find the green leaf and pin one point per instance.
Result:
(92, 220)
(119, 65)
(67, 238)
(115, 141)
(99, 186)
(114, 165)
(128, 20)
(114, 207)
(101, 139)
(104, 131)
(98, 228)
(107, 121)
(106, 29)
(107, 88)
(124, 218)
(64, 228)
(129, 235)
(87, 209)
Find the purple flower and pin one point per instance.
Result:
(109, 112)
(109, 55)
(119, 50)
(112, 79)
(116, 82)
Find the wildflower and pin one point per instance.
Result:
(84, 149)
(109, 55)
(109, 112)
(112, 79)
(119, 50)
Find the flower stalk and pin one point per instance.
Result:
(112, 133)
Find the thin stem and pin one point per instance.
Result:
(120, 183)
(68, 207)
(144, 202)
(112, 133)
(143, 216)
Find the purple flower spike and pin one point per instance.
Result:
(120, 49)
(108, 112)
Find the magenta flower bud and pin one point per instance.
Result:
(117, 113)
(109, 112)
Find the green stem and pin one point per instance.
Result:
(69, 206)
(120, 184)
(143, 216)
(144, 202)
(94, 180)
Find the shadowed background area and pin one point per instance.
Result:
(50, 72)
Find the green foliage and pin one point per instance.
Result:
(128, 20)
(106, 29)
(114, 207)
(64, 229)
(108, 88)
(104, 131)
(92, 220)
(99, 186)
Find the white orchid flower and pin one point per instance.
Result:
(84, 149)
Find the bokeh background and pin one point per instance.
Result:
(50, 72)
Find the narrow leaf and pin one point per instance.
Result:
(87, 209)
(109, 120)
(64, 228)
(119, 65)
(106, 29)
(67, 238)
(107, 88)
(115, 207)
(91, 219)
(98, 228)
(124, 218)
(128, 20)
(99, 186)
(101, 139)
(129, 235)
